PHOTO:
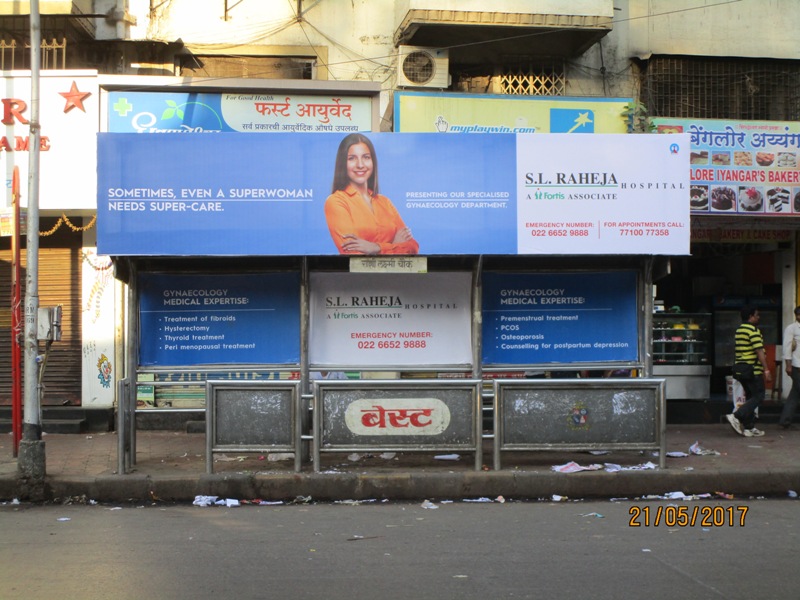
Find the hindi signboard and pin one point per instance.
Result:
(741, 168)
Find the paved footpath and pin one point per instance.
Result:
(172, 466)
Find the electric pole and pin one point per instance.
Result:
(31, 462)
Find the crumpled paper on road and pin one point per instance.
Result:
(613, 468)
(573, 467)
(700, 451)
(204, 500)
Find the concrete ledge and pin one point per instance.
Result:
(178, 488)
(412, 486)
(227, 485)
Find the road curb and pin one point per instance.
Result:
(413, 486)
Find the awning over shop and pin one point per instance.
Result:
(478, 37)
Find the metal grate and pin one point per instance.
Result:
(702, 88)
(533, 78)
(14, 55)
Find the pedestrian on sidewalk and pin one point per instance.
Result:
(791, 356)
(749, 350)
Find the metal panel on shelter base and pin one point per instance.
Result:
(250, 417)
(418, 415)
(579, 414)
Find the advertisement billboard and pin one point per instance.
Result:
(247, 194)
(219, 319)
(437, 112)
(559, 318)
(741, 168)
(401, 320)
(265, 112)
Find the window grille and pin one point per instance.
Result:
(17, 55)
(703, 88)
(523, 77)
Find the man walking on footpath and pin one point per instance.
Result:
(749, 349)
(791, 356)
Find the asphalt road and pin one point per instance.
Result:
(460, 550)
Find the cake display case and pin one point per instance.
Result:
(682, 354)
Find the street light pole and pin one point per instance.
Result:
(31, 462)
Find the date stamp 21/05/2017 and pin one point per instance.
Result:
(687, 516)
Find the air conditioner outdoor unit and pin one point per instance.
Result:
(422, 67)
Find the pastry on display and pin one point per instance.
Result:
(698, 197)
(723, 198)
(750, 199)
(699, 157)
(764, 159)
(721, 158)
(742, 159)
(786, 160)
(778, 200)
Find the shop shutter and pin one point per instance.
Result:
(5, 324)
(59, 283)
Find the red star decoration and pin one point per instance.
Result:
(74, 98)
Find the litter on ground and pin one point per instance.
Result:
(573, 467)
(700, 451)
(447, 457)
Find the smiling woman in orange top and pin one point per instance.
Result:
(362, 221)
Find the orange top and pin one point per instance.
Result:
(348, 213)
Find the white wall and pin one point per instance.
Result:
(98, 301)
(356, 33)
(749, 28)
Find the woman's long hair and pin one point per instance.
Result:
(340, 178)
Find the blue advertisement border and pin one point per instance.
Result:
(195, 320)
(559, 318)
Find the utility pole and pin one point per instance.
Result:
(31, 462)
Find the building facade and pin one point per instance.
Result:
(677, 64)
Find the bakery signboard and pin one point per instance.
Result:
(740, 235)
(741, 167)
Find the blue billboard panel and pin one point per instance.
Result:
(559, 318)
(219, 319)
(236, 194)
(240, 194)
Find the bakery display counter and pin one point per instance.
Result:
(682, 354)
(685, 382)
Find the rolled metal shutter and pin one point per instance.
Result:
(59, 283)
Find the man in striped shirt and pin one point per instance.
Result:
(750, 349)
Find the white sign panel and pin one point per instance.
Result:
(603, 190)
(376, 320)
(389, 264)
(274, 112)
(397, 417)
(68, 146)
